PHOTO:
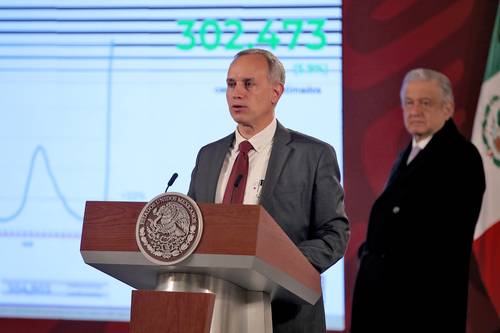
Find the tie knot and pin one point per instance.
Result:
(245, 147)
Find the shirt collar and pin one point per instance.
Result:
(260, 140)
(422, 143)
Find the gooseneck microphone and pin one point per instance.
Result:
(171, 181)
(237, 182)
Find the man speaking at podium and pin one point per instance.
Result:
(294, 177)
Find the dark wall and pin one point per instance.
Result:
(382, 41)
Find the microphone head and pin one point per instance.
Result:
(172, 179)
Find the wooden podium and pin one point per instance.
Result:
(243, 261)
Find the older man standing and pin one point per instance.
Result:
(294, 177)
(413, 274)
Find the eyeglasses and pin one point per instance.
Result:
(423, 103)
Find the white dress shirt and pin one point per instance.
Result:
(421, 144)
(258, 159)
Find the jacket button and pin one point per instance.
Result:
(395, 209)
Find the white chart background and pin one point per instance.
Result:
(97, 102)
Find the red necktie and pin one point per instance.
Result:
(235, 188)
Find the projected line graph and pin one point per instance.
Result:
(43, 155)
(35, 14)
(105, 105)
(40, 153)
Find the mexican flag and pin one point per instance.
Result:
(486, 137)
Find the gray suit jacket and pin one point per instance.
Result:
(302, 192)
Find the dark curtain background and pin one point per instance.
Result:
(382, 41)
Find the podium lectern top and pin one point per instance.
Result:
(240, 243)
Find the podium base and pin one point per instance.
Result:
(177, 312)
(235, 309)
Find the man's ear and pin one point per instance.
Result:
(278, 90)
(449, 108)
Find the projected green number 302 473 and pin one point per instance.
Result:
(292, 33)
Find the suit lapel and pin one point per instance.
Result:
(218, 159)
(402, 170)
(399, 167)
(436, 145)
(279, 155)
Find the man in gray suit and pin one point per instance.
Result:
(294, 177)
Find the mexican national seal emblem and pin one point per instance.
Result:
(491, 129)
(169, 228)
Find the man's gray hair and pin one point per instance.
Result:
(425, 74)
(275, 67)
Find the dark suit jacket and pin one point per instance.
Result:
(303, 194)
(413, 274)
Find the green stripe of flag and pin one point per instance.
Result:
(493, 65)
